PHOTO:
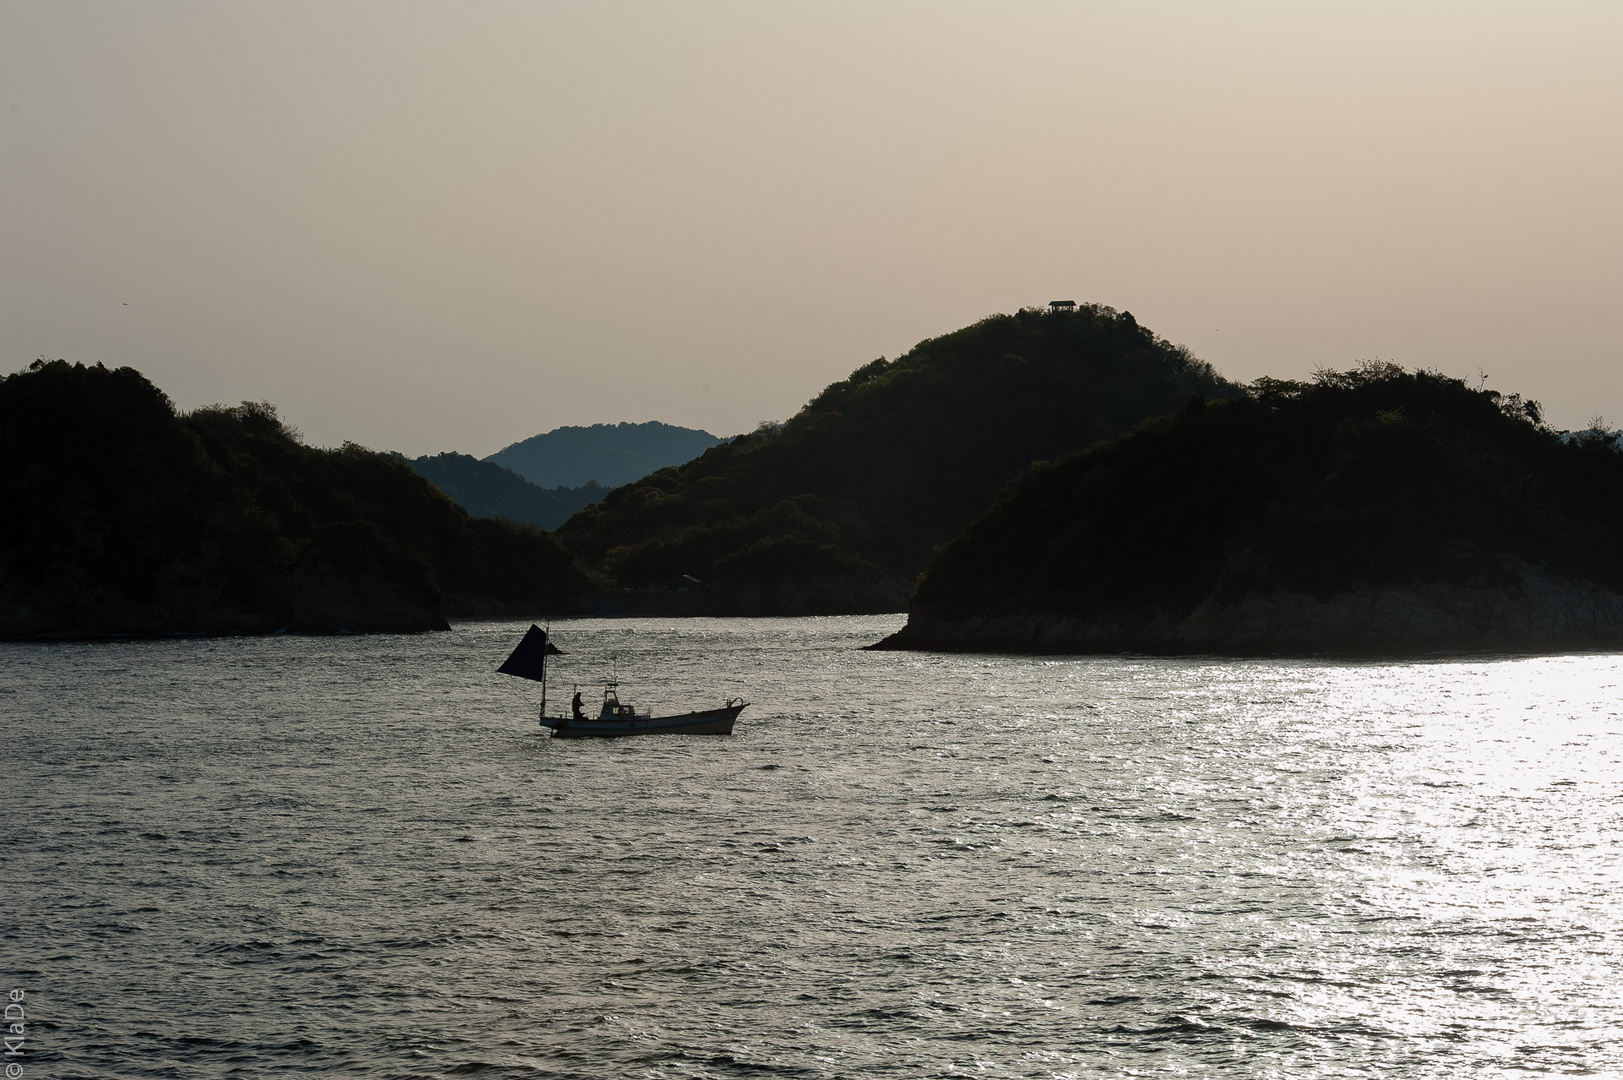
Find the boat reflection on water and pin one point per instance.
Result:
(615, 719)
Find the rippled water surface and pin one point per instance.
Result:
(361, 856)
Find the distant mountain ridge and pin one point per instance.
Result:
(488, 490)
(609, 454)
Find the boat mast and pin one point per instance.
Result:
(529, 661)
(544, 672)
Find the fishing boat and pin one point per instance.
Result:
(614, 719)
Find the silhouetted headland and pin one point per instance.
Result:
(125, 517)
(1371, 512)
(839, 508)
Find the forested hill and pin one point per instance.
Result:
(1369, 512)
(124, 517)
(607, 454)
(839, 508)
(485, 489)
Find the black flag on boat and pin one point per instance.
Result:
(529, 660)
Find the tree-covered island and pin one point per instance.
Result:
(123, 516)
(1373, 512)
(838, 509)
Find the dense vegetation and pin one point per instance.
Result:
(487, 490)
(607, 454)
(1356, 481)
(125, 517)
(839, 508)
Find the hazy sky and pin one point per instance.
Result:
(447, 226)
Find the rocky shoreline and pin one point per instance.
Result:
(1539, 612)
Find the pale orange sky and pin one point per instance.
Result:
(445, 226)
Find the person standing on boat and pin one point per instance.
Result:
(579, 709)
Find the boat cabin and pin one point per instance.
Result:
(612, 709)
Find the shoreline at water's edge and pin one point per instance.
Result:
(61, 637)
(1540, 614)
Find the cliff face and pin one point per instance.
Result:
(1371, 513)
(839, 508)
(123, 517)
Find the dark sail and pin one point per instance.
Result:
(529, 660)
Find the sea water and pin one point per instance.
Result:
(361, 856)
